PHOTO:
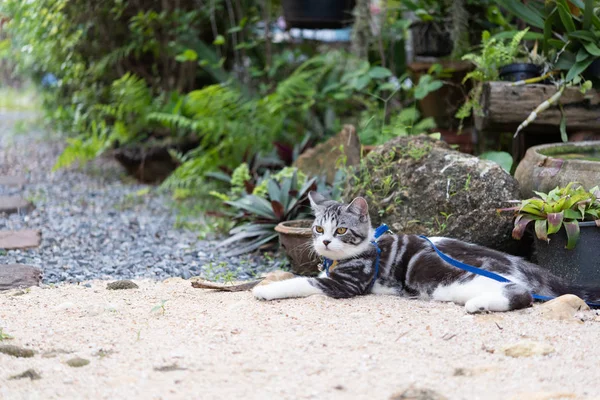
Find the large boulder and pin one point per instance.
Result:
(418, 185)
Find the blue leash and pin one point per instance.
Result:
(487, 274)
(327, 263)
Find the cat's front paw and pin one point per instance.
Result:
(262, 292)
(477, 305)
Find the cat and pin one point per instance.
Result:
(409, 266)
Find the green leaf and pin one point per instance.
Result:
(578, 68)
(234, 29)
(572, 228)
(501, 158)
(582, 35)
(588, 12)
(523, 11)
(591, 48)
(581, 55)
(565, 15)
(252, 245)
(219, 40)
(362, 82)
(541, 229)
(563, 125)
(188, 55)
(554, 221)
(379, 73)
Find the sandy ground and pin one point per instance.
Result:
(229, 345)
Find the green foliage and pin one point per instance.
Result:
(285, 200)
(561, 207)
(494, 54)
(501, 158)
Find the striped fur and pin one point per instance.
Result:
(410, 267)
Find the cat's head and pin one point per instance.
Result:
(340, 230)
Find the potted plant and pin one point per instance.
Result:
(318, 14)
(566, 224)
(496, 53)
(430, 33)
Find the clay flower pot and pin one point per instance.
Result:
(296, 238)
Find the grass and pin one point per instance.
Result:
(23, 99)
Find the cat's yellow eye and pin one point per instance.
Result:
(341, 231)
(319, 229)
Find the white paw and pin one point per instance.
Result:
(262, 292)
(477, 305)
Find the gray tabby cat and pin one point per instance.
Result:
(410, 267)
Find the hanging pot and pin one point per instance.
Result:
(318, 14)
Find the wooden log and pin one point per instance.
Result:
(505, 107)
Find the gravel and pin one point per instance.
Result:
(97, 223)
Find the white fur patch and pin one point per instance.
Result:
(460, 293)
(380, 289)
(297, 287)
(487, 302)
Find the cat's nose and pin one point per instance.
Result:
(326, 242)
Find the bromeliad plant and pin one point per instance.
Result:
(285, 200)
(555, 209)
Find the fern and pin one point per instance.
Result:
(494, 54)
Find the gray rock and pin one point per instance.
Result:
(418, 185)
(121, 285)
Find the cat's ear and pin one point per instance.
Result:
(359, 206)
(316, 200)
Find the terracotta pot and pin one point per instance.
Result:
(296, 238)
(550, 165)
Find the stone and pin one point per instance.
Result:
(14, 276)
(14, 204)
(122, 285)
(169, 368)
(30, 373)
(418, 394)
(13, 181)
(527, 348)
(418, 185)
(16, 351)
(24, 239)
(77, 362)
(323, 158)
(563, 308)
(275, 276)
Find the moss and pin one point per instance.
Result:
(120, 285)
(77, 362)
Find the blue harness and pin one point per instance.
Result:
(487, 274)
(327, 263)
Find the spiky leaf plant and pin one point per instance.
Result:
(286, 200)
(555, 209)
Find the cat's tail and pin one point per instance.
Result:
(589, 293)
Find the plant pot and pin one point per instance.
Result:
(296, 238)
(429, 39)
(152, 163)
(519, 72)
(318, 14)
(547, 166)
(580, 265)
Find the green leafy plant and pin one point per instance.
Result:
(561, 207)
(494, 54)
(285, 200)
(5, 336)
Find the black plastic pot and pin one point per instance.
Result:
(580, 265)
(519, 71)
(318, 14)
(430, 39)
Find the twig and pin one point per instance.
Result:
(225, 288)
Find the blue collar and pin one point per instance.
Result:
(383, 228)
